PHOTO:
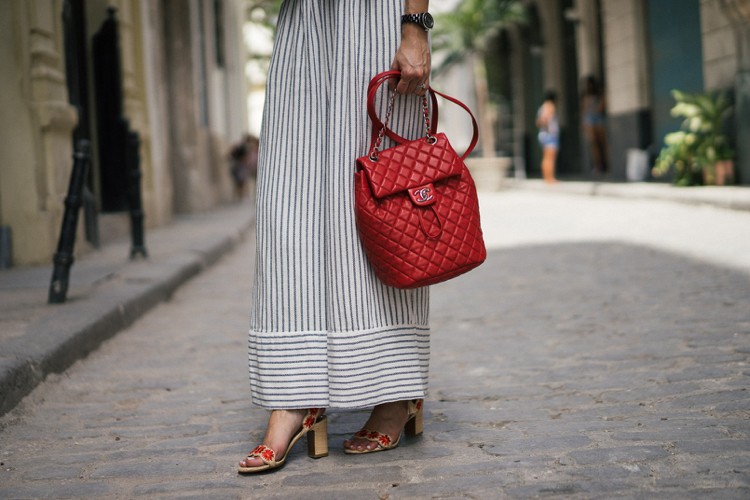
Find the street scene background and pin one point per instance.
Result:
(600, 352)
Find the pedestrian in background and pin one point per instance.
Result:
(593, 106)
(244, 164)
(324, 331)
(549, 135)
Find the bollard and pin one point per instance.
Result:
(63, 259)
(6, 247)
(134, 196)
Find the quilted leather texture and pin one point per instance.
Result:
(411, 165)
(410, 245)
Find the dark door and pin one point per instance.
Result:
(676, 58)
(112, 128)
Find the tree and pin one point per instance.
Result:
(463, 35)
(263, 12)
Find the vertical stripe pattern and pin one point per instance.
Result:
(324, 331)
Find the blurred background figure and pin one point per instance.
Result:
(244, 164)
(549, 135)
(593, 106)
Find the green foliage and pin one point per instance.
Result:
(264, 12)
(699, 143)
(468, 29)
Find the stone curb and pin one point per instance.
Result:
(61, 339)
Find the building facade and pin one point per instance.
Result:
(169, 72)
(640, 50)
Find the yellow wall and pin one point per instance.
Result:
(35, 127)
(37, 121)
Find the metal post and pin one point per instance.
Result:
(134, 196)
(63, 259)
(6, 247)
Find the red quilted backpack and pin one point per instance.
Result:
(415, 203)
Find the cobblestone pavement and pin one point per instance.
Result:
(601, 352)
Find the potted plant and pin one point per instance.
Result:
(699, 152)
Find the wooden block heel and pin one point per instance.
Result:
(415, 424)
(317, 439)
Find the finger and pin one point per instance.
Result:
(422, 89)
(392, 82)
(413, 85)
(402, 87)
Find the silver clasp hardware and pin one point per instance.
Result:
(423, 195)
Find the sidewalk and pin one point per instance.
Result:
(729, 197)
(107, 293)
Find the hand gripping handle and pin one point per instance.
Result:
(383, 77)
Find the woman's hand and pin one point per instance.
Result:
(413, 60)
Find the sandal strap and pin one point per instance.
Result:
(266, 454)
(310, 418)
(383, 440)
(413, 407)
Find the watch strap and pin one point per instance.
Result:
(418, 19)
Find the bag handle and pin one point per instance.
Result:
(380, 129)
(372, 89)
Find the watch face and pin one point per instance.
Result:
(429, 22)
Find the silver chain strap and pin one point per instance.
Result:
(381, 134)
(426, 111)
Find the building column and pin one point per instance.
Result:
(588, 31)
(626, 73)
(135, 101)
(37, 123)
(738, 12)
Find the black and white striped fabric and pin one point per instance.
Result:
(324, 331)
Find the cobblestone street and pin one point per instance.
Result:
(600, 352)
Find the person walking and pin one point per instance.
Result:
(244, 157)
(324, 331)
(593, 108)
(549, 135)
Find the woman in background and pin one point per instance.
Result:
(593, 107)
(549, 135)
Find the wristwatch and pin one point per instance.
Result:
(423, 19)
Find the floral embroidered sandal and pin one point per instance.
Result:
(413, 427)
(314, 423)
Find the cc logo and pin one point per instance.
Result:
(423, 195)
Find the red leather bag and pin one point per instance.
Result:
(415, 203)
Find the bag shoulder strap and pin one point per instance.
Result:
(383, 77)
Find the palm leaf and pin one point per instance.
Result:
(470, 27)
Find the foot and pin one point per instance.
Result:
(388, 418)
(282, 426)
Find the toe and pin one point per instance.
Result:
(250, 462)
(353, 444)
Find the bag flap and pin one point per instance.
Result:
(411, 165)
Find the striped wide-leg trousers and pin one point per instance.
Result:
(324, 331)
